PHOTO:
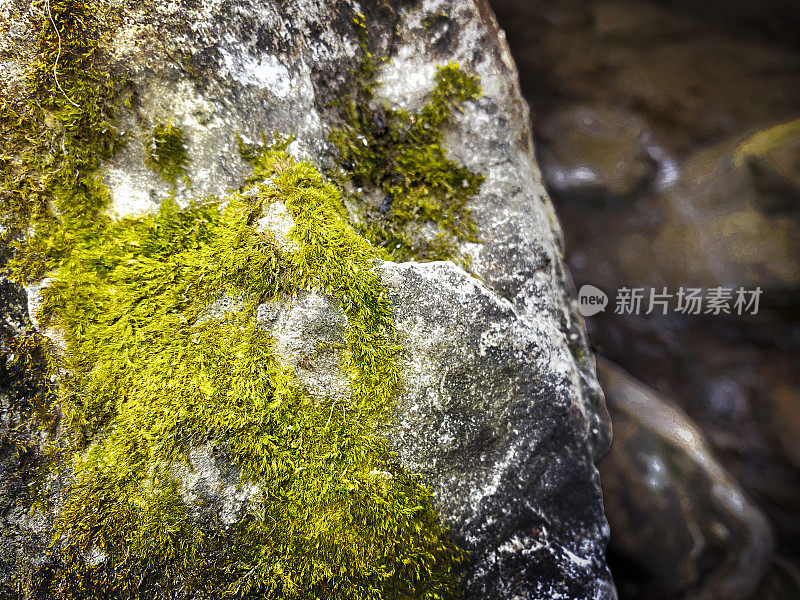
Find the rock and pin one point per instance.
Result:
(474, 416)
(773, 158)
(498, 410)
(596, 153)
(674, 511)
(785, 411)
(723, 211)
(781, 582)
(737, 379)
(24, 533)
(626, 19)
(486, 393)
(615, 69)
(17, 46)
(725, 225)
(726, 216)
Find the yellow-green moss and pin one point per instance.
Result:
(148, 375)
(166, 152)
(53, 146)
(406, 184)
(53, 141)
(150, 378)
(434, 18)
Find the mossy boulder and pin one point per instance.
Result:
(240, 393)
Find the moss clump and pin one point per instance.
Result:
(54, 145)
(147, 375)
(150, 378)
(412, 200)
(166, 152)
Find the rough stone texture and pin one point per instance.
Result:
(16, 47)
(487, 415)
(24, 533)
(499, 409)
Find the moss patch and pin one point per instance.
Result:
(52, 147)
(410, 199)
(166, 152)
(148, 375)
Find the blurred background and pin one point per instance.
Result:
(668, 133)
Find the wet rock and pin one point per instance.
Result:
(737, 379)
(596, 153)
(785, 410)
(725, 224)
(781, 582)
(629, 19)
(674, 511)
(772, 156)
(729, 215)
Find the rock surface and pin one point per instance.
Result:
(499, 409)
(485, 415)
(596, 154)
(22, 533)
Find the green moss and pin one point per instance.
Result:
(54, 144)
(151, 377)
(26, 364)
(166, 152)
(410, 199)
(148, 375)
(369, 61)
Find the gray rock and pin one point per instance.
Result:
(484, 414)
(499, 409)
(24, 533)
(487, 415)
